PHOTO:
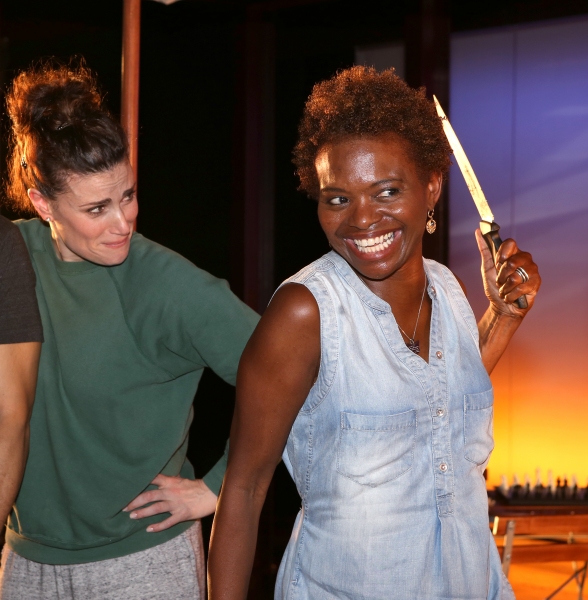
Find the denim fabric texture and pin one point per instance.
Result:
(388, 453)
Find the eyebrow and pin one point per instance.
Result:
(332, 189)
(107, 200)
(375, 184)
(387, 180)
(96, 203)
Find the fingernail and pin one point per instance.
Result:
(149, 529)
(133, 515)
(125, 509)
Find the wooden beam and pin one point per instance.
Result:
(252, 220)
(258, 159)
(130, 76)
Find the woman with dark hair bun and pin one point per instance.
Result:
(109, 504)
(368, 375)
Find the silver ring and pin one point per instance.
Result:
(524, 275)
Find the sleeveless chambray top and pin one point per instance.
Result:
(388, 453)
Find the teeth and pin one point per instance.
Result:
(376, 244)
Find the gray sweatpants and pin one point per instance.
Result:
(173, 570)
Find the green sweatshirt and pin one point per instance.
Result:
(124, 350)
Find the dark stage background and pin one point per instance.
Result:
(204, 65)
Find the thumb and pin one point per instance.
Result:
(487, 261)
(160, 479)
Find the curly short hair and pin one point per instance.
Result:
(362, 102)
(60, 126)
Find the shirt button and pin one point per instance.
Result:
(443, 467)
(439, 354)
(434, 291)
(440, 412)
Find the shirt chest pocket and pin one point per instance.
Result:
(477, 428)
(374, 449)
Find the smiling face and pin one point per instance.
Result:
(94, 219)
(373, 205)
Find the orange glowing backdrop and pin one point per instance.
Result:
(519, 103)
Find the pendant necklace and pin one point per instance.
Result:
(413, 344)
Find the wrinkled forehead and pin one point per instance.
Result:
(89, 187)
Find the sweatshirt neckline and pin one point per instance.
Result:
(68, 268)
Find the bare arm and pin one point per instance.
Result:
(18, 380)
(277, 370)
(503, 286)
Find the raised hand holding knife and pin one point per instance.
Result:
(488, 226)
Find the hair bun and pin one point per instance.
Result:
(51, 98)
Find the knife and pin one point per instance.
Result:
(488, 226)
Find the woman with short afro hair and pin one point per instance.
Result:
(368, 374)
(362, 102)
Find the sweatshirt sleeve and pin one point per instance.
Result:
(184, 317)
(219, 327)
(214, 478)
(223, 326)
(199, 321)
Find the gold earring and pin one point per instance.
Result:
(431, 223)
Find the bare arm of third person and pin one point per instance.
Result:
(277, 370)
(503, 286)
(18, 380)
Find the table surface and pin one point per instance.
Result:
(497, 509)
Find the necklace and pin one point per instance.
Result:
(413, 344)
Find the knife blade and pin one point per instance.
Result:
(488, 226)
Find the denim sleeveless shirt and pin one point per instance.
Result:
(388, 453)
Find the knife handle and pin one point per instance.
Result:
(494, 241)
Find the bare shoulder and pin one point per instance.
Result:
(288, 331)
(292, 315)
(296, 303)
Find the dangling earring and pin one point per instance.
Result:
(431, 223)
